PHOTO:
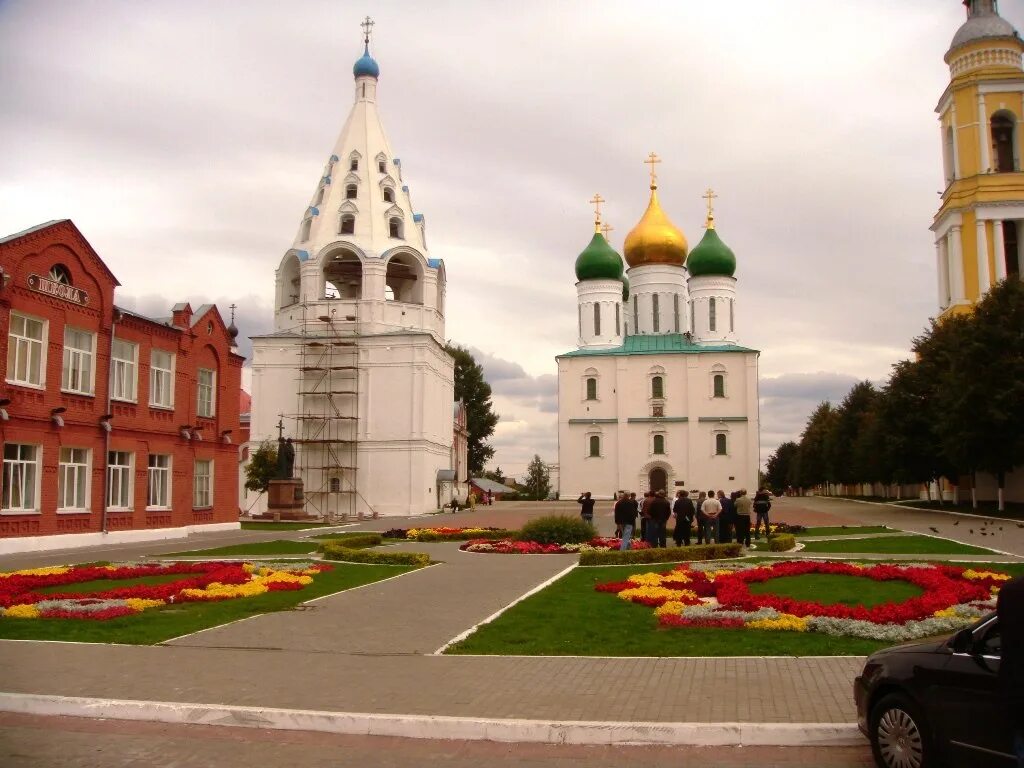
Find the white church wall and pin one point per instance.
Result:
(665, 281)
(723, 291)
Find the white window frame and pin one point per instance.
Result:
(124, 372)
(714, 442)
(718, 370)
(78, 371)
(156, 371)
(210, 402)
(26, 480)
(120, 477)
(153, 480)
(21, 345)
(202, 484)
(73, 476)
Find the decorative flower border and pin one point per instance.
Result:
(20, 597)
(692, 596)
(440, 533)
(512, 547)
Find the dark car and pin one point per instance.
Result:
(937, 702)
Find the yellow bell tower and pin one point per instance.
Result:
(979, 229)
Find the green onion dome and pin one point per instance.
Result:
(625, 288)
(711, 256)
(598, 261)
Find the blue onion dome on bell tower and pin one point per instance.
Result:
(366, 65)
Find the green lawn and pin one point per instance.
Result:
(895, 545)
(102, 585)
(159, 624)
(831, 589)
(844, 530)
(570, 618)
(257, 548)
(280, 526)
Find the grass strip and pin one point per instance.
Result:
(896, 545)
(160, 624)
(252, 525)
(843, 530)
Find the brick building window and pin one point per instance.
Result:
(73, 480)
(21, 478)
(26, 353)
(79, 352)
(158, 494)
(124, 358)
(161, 379)
(202, 480)
(119, 480)
(207, 392)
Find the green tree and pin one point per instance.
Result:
(261, 468)
(842, 438)
(538, 480)
(780, 465)
(815, 461)
(983, 389)
(475, 392)
(494, 475)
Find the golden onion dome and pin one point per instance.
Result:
(655, 239)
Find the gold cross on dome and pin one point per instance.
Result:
(605, 229)
(710, 196)
(597, 200)
(652, 160)
(367, 26)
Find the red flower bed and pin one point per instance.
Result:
(942, 585)
(512, 547)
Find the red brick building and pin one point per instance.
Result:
(114, 426)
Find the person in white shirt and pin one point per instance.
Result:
(712, 510)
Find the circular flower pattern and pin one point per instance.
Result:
(513, 547)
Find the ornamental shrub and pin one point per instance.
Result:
(781, 542)
(557, 529)
(662, 555)
(335, 550)
(355, 540)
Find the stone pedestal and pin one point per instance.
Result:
(285, 501)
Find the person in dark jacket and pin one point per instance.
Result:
(586, 507)
(1010, 610)
(727, 521)
(625, 518)
(659, 511)
(762, 506)
(685, 512)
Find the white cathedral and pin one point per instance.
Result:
(355, 371)
(659, 394)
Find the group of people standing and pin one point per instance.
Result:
(719, 518)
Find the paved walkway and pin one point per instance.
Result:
(364, 651)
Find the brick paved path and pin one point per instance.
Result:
(65, 742)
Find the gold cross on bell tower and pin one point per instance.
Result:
(652, 160)
(597, 200)
(710, 196)
(367, 26)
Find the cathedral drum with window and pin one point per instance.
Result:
(355, 371)
(115, 426)
(658, 394)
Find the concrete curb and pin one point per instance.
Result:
(442, 727)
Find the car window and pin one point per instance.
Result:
(990, 643)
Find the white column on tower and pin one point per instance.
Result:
(983, 141)
(942, 271)
(956, 265)
(984, 280)
(1000, 250)
(956, 140)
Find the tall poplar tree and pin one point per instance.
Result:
(475, 392)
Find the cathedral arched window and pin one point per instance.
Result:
(712, 319)
(351, 192)
(395, 227)
(597, 319)
(1004, 141)
(591, 388)
(348, 224)
(675, 310)
(594, 446)
(636, 315)
(389, 195)
(659, 444)
(618, 322)
(721, 444)
(718, 385)
(948, 154)
(382, 166)
(353, 164)
(657, 387)
(656, 311)
(288, 281)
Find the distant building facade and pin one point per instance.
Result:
(115, 427)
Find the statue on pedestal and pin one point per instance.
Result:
(285, 459)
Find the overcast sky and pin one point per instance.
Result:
(185, 139)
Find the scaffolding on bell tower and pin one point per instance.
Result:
(327, 417)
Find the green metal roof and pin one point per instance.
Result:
(664, 344)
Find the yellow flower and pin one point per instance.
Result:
(23, 611)
(142, 603)
(786, 622)
(657, 593)
(656, 579)
(970, 573)
(671, 608)
(248, 567)
(49, 570)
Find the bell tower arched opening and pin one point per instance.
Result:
(343, 276)
(404, 278)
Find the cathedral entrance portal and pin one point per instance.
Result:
(657, 480)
